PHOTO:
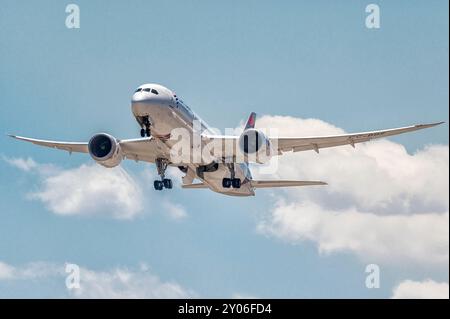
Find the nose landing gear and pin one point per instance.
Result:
(161, 166)
(145, 130)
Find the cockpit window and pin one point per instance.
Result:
(147, 90)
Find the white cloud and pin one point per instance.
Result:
(29, 165)
(120, 282)
(378, 176)
(91, 190)
(421, 238)
(125, 283)
(31, 270)
(6, 271)
(86, 190)
(293, 126)
(23, 164)
(427, 289)
(174, 211)
(381, 202)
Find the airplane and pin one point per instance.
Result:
(159, 110)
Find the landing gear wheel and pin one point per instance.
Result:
(147, 132)
(167, 183)
(236, 182)
(158, 185)
(143, 132)
(161, 166)
(226, 182)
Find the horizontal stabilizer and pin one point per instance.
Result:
(196, 185)
(281, 183)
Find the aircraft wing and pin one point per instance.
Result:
(148, 149)
(142, 149)
(297, 144)
(78, 147)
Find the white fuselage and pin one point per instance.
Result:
(166, 112)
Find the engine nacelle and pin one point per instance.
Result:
(105, 150)
(255, 146)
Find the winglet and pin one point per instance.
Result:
(251, 121)
(429, 125)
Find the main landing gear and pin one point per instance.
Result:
(145, 130)
(229, 182)
(161, 166)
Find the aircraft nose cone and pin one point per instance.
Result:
(139, 97)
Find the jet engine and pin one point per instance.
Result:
(255, 146)
(105, 150)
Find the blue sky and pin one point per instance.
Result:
(302, 59)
